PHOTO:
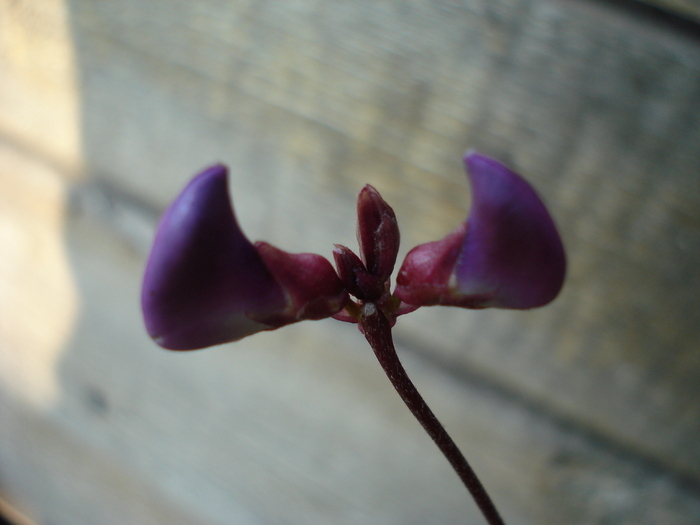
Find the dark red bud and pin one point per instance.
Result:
(377, 233)
(309, 282)
(353, 274)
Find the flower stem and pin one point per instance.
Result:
(377, 330)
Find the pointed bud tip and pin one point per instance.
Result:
(369, 191)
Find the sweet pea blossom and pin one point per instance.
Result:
(206, 284)
(507, 254)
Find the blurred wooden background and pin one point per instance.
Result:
(584, 412)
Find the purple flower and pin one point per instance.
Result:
(206, 284)
(507, 254)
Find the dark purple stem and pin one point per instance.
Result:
(377, 330)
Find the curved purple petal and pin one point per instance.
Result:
(507, 255)
(204, 280)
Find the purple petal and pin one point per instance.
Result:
(508, 255)
(204, 280)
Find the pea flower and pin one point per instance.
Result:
(205, 283)
(507, 254)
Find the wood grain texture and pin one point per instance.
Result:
(689, 9)
(38, 81)
(291, 427)
(307, 101)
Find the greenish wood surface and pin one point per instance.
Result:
(307, 101)
(689, 9)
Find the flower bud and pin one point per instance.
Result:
(507, 254)
(311, 285)
(377, 233)
(354, 275)
(206, 284)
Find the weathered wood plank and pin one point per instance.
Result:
(307, 101)
(296, 426)
(39, 96)
(689, 9)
